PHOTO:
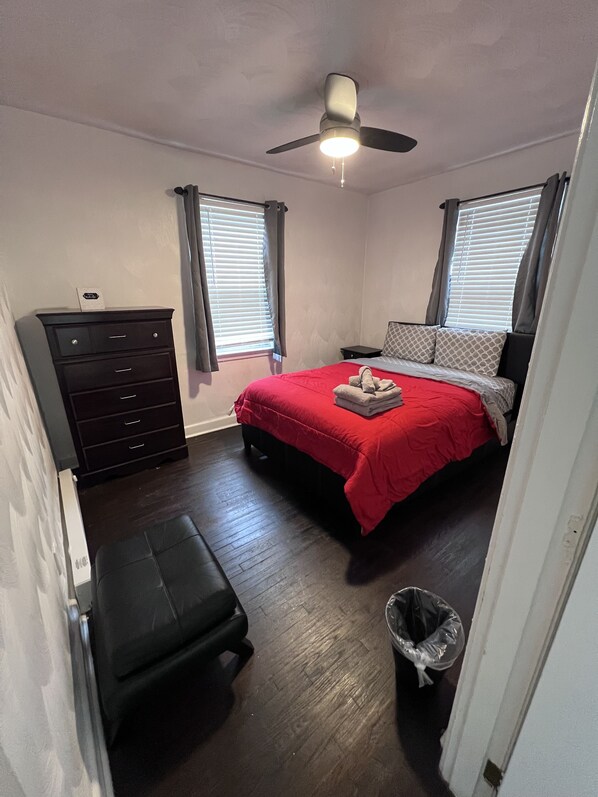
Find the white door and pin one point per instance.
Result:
(555, 754)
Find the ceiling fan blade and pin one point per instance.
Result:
(376, 138)
(340, 98)
(300, 142)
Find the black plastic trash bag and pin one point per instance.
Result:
(425, 630)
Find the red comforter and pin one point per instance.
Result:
(383, 458)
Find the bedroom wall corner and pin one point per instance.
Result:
(362, 328)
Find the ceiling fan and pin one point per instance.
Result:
(341, 133)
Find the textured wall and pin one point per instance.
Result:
(84, 207)
(404, 227)
(39, 750)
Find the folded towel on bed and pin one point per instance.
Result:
(369, 383)
(372, 409)
(357, 396)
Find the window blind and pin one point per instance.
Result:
(233, 242)
(491, 238)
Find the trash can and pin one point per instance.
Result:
(426, 632)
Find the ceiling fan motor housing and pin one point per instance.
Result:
(327, 124)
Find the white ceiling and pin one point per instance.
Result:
(467, 78)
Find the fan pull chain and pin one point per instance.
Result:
(334, 166)
(343, 173)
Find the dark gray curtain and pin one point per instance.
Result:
(439, 297)
(274, 271)
(205, 345)
(532, 276)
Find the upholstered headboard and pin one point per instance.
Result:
(516, 356)
(514, 362)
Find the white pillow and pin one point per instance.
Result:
(474, 350)
(410, 341)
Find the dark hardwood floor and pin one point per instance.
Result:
(317, 710)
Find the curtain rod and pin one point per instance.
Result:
(501, 193)
(182, 192)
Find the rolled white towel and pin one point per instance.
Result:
(367, 379)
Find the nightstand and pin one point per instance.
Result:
(353, 352)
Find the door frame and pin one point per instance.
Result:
(547, 502)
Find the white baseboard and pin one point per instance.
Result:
(213, 425)
(87, 706)
(77, 542)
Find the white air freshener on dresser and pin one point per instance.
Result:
(91, 299)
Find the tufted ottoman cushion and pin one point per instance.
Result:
(161, 602)
(157, 592)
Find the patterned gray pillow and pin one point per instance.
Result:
(410, 341)
(474, 350)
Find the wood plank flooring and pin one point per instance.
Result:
(317, 710)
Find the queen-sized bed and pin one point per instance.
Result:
(446, 416)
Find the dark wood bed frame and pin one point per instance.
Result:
(319, 479)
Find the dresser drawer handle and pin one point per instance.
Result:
(114, 337)
(122, 370)
(140, 445)
(133, 395)
(130, 423)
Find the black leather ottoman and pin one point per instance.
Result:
(161, 604)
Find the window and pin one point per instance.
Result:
(233, 243)
(492, 235)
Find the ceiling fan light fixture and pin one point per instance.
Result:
(339, 142)
(341, 133)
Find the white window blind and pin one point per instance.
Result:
(233, 242)
(492, 235)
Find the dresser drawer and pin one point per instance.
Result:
(154, 334)
(73, 341)
(116, 371)
(130, 335)
(97, 403)
(109, 454)
(127, 424)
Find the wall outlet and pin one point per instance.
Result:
(91, 299)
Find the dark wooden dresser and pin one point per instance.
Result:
(118, 378)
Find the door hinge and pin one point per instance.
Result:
(572, 536)
(493, 774)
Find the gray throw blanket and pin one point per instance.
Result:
(496, 392)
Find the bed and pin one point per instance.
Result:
(446, 417)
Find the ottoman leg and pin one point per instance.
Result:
(112, 728)
(244, 649)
